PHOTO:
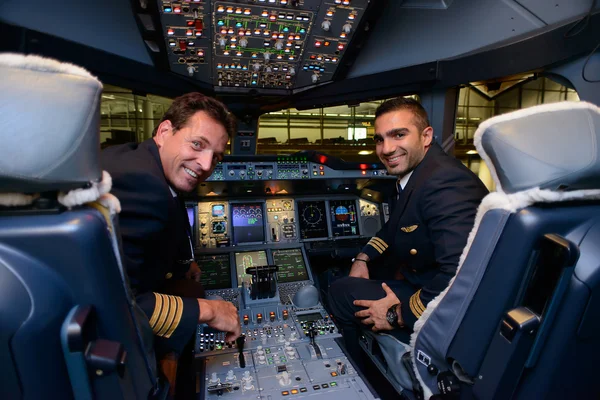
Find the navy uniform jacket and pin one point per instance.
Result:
(153, 229)
(428, 228)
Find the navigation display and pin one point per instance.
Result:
(216, 271)
(344, 221)
(247, 223)
(248, 259)
(312, 219)
(291, 265)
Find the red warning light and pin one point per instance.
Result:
(363, 166)
(198, 24)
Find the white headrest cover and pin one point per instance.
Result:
(49, 113)
(551, 146)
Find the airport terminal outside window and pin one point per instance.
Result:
(343, 131)
(479, 101)
(127, 117)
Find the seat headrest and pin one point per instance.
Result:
(49, 113)
(551, 146)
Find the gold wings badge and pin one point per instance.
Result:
(409, 229)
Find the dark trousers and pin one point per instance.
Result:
(186, 383)
(342, 294)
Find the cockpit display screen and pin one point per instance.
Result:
(291, 265)
(218, 210)
(247, 223)
(344, 220)
(249, 259)
(216, 271)
(312, 219)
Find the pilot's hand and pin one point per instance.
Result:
(220, 315)
(359, 270)
(376, 310)
(194, 272)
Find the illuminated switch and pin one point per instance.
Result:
(183, 45)
(170, 32)
(272, 316)
(259, 318)
(285, 314)
(246, 319)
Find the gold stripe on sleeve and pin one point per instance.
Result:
(416, 305)
(163, 314)
(376, 246)
(170, 316)
(157, 309)
(178, 314)
(380, 241)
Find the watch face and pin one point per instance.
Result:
(392, 317)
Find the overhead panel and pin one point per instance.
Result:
(268, 46)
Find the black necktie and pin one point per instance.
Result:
(398, 189)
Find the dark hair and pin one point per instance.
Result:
(184, 107)
(421, 119)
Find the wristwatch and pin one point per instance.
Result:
(392, 316)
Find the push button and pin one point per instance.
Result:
(413, 252)
(168, 275)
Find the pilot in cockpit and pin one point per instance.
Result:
(418, 249)
(149, 178)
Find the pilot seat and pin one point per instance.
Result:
(521, 318)
(69, 324)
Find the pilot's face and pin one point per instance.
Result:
(398, 143)
(189, 155)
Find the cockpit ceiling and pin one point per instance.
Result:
(259, 46)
